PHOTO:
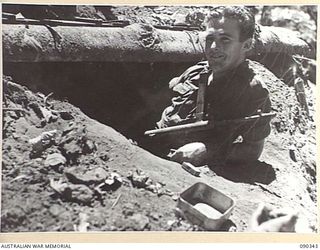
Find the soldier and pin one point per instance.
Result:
(235, 89)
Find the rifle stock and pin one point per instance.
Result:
(207, 125)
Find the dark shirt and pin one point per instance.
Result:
(237, 94)
(240, 93)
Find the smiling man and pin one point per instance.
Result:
(235, 89)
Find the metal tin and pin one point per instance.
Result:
(205, 206)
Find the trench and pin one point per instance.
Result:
(129, 97)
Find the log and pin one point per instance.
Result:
(133, 43)
(280, 40)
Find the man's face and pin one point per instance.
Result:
(223, 50)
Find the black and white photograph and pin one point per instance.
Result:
(166, 118)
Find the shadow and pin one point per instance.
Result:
(228, 226)
(256, 171)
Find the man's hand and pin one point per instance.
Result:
(194, 153)
(266, 219)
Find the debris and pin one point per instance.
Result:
(191, 169)
(65, 115)
(170, 223)
(72, 192)
(128, 209)
(139, 221)
(83, 224)
(45, 99)
(55, 210)
(133, 142)
(43, 113)
(116, 201)
(140, 180)
(48, 115)
(15, 136)
(71, 126)
(43, 141)
(89, 147)
(292, 153)
(155, 216)
(80, 193)
(113, 178)
(19, 177)
(175, 197)
(81, 174)
(75, 142)
(54, 160)
(104, 157)
(206, 170)
(180, 225)
(179, 19)
(263, 187)
(135, 222)
(58, 186)
(113, 182)
(72, 150)
(14, 109)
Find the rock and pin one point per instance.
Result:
(104, 157)
(54, 160)
(195, 18)
(140, 221)
(175, 197)
(55, 210)
(113, 182)
(79, 193)
(89, 147)
(113, 178)
(128, 209)
(75, 142)
(73, 192)
(136, 222)
(155, 216)
(83, 224)
(71, 126)
(72, 150)
(43, 141)
(14, 217)
(58, 186)
(48, 115)
(65, 115)
(89, 11)
(15, 136)
(138, 178)
(80, 174)
(179, 19)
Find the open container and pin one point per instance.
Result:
(205, 206)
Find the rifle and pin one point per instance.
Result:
(207, 125)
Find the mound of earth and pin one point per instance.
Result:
(63, 171)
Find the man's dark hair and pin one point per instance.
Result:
(242, 14)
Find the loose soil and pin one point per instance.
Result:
(85, 176)
(285, 176)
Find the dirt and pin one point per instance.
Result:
(284, 176)
(77, 174)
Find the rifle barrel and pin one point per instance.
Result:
(204, 125)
